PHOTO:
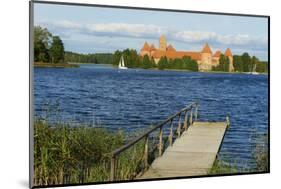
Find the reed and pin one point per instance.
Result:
(220, 167)
(81, 154)
(261, 153)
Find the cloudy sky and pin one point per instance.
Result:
(95, 29)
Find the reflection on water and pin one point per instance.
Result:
(132, 99)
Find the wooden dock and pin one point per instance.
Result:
(192, 154)
(184, 146)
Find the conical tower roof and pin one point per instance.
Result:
(217, 54)
(152, 47)
(171, 48)
(206, 49)
(146, 47)
(228, 52)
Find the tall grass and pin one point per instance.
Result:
(260, 156)
(65, 154)
(261, 153)
(222, 167)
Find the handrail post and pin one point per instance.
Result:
(146, 152)
(196, 112)
(179, 126)
(160, 140)
(193, 108)
(190, 118)
(171, 133)
(227, 121)
(185, 120)
(112, 168)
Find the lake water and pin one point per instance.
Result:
(135, 98)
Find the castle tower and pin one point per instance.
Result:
(229, 55)
(216, 58)
(162, 43)
(206, 58)
(152, 50)
(145, 50)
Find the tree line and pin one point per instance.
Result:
(185, 63)
(97, 58)
(47, 48)
(133, 60)
(242, 63)
(246, 63)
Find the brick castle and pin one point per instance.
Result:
(205, 58)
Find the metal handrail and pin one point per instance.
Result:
(145, 135)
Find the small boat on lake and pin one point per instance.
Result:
(254, 70)
(121, 64)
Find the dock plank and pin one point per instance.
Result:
(192, 154)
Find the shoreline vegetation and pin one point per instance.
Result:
(49, 52)
(64, 154)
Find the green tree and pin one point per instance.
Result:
(116, 57)
(163, 63)
(237, 63)
(41, 53)
(189, 64)
(262, 67)
(223, 64)
(246, 59)
(146, 62)
(42, 39)
(57, 50)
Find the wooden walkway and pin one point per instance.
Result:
(193, 154)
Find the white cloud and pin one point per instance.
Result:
(193, 36)
(133, 30)
(154, 31)
(236, 40)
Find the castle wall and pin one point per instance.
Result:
(142, 53)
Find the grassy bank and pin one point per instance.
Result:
(69, 155)
(54, 65)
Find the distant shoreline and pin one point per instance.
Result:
(55, 65)
(77, 64)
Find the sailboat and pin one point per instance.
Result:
(254, 70)
(122, 63)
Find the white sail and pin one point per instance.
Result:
(122, 63)
(254, 70)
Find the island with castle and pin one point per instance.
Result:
(166, 57)
(205, 58)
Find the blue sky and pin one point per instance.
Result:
(95, 29)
